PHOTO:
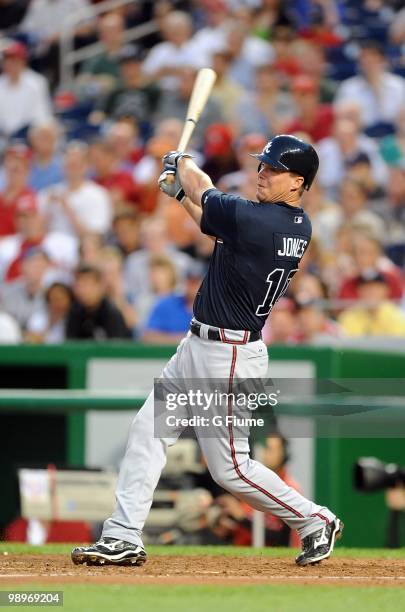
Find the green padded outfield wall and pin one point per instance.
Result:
(60, 367)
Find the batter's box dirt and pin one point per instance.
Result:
(203, 569)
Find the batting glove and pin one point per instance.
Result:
(169, 183)
(172, 157)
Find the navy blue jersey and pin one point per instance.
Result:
(257, 252)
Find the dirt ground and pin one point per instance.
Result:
(203, 569)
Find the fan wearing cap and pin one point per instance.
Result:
(24, 94)
(219, 151)
(375, 314)
(17, 162)
(368, 254)
(61, 249)
(312, 117)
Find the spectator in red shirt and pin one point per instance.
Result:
(368, 255)
(219, 152)
(17, 168)
(312, 117)
(32, 235)
(105, 164)
(61, 249)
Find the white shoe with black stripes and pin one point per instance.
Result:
(109, 551)
(319, 545)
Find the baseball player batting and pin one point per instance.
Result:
(258, 248)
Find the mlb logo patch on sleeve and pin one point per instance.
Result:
(298, 219)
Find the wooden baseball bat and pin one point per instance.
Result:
(202, 87)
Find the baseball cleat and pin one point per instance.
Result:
(109, 551)
(319, 545)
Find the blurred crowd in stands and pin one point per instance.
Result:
(91, 249)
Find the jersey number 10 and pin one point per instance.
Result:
(278, 281)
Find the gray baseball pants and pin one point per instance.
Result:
(227, 457)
